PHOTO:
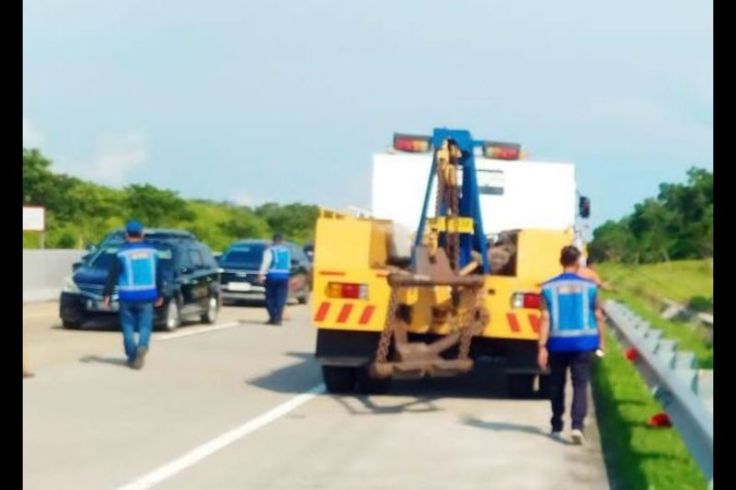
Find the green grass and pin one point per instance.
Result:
(642, 288)
(677, 280)
(637, 456)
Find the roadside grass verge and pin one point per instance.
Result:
(636, 455)
(695, 338)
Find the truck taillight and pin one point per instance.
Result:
(526, 300)
(347, 290)
(502, 151)
(412, 144)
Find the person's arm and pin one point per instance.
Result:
(265, 264)
(542, 354)
(112, 279)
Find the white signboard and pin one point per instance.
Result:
(34, 218)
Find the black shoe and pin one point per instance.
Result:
(139, 358)
(269, 322)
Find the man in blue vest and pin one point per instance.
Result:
(274, 273)
(136, 274)
(569, 335)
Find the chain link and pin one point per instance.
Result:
(385, 341)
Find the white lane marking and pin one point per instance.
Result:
(199, 453)
(197, 331)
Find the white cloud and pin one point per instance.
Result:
(116, 157)
(32, 135)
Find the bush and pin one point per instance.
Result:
(700, 304)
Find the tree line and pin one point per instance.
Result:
(677, 224)
(80, 213)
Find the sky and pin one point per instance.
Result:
(287, 101)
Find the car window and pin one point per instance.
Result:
(195, 258)
(103, 258)
(298, 254)
(209, 259)
(250, 254)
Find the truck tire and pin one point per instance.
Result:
(544, 386)
(339, 379)
(368, 385)
(520, 385)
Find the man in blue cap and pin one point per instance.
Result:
(569, 334)
(274, 273)
(136, 274)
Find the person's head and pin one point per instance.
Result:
(278, 238)
(570, 258)
(133, 231)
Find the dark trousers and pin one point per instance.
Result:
(277, 291)
(579, 365)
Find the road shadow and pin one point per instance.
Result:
(502, 426)
(486, 381)
(294, 378)
(384, 405)
(116, 361)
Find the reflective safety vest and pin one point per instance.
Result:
(571, 302)
(280, 262)
(137, 279)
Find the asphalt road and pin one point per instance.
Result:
(240, 405)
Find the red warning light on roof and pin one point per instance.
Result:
(501, 151)
(412, 144)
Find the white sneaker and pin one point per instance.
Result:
(577, 437)
(557, 435)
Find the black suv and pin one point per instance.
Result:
(190, 277)
(240, 264)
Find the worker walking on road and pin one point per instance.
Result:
(274, 273)
(568, 336)
(136, 273)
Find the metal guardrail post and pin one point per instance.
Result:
(685, 392)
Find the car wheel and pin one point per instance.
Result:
(69, 325)
(172, 321)
(213, 307)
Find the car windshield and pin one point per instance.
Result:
(244, 254)
(104, 257)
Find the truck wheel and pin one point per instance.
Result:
(544, 386)
(368, 385)
(520, 385)
(339, 379)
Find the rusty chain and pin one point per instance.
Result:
(385, 341)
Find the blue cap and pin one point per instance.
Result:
(133, 227)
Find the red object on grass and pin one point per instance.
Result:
(660, 420)
(631, 354)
